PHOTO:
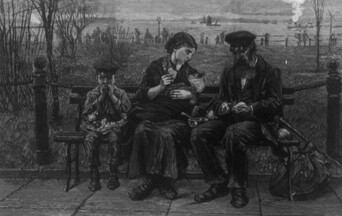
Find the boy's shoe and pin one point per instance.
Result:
(94, 184)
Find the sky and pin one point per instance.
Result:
(191, 9)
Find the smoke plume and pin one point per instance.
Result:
(234, 6)
(297, 9)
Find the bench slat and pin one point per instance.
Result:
(83, 90)
(76, 99)
(214, 89)
(69, 137)
(78, 95)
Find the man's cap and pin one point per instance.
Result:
(240, 38)
(105, 66)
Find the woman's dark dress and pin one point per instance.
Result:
(162, 134)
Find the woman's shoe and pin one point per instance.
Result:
(113, 182)
(143, 190)
(167, 189)
(239, 197)
(215, 191)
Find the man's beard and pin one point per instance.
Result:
(244, 60)
(245, 68)
(244, 72)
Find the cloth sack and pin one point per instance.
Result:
(310, 173)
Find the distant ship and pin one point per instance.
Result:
(296, 25)
(208, 21)
(213, 24)
(203, 20)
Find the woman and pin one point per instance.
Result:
(169, 87)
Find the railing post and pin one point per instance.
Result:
(333, 111)
(40, 108)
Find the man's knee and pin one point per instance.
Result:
(233, 139)
(241, 134)
(243, 130)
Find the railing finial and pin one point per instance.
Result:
(332, 66)
(39, 63)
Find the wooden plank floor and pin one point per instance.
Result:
(46, 197)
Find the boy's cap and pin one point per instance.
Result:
(240, 38)
(105, 66)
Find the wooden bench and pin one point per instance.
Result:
(78, 96)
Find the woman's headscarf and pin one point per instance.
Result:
(180, 39)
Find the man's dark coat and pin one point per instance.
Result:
(266, 99)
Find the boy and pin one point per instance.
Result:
(104, 114)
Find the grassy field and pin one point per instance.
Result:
(297, 64)
(308, 115)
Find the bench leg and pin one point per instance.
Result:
(289, 174)
(68, 166)
(77, 166)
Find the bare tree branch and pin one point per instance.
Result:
(72, 20)
(318, 9)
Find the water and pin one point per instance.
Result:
(278, 32)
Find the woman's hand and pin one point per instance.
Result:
(165, 80)
(181, 94)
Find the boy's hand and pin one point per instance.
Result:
(111, 93)
(104, 89)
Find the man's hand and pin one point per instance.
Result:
(223, 109)
(181, 94)
(243, 110)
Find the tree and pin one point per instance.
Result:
(71, 20)
(331, 17)
(318, 8)
(47, 10)
(18, 48)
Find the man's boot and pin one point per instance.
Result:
(239, 197)
(94, 184)
(166, 188)
(113, 181)
(143, 189)
(215, 191)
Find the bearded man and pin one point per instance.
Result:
(244, 113)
